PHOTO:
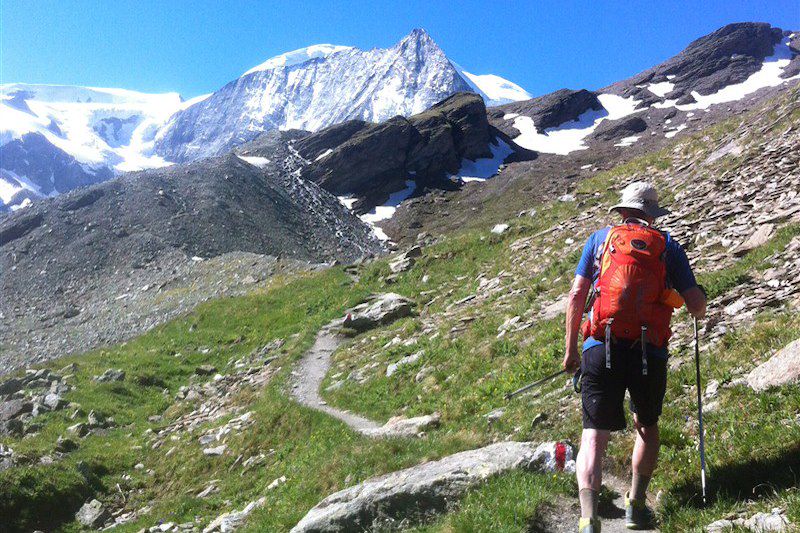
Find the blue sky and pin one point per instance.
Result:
(196, 47)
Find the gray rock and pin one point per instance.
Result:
(65, 445)
(399, 426)
(420, 490)
(233, 520)
(110, 375)
(205, 370)
(80, 429)
(216, 451)
(759, 237)
(98, 420)
(54, 401)
(12, 427)
(494, 415)
(781, 369)
(10, 386)
(758, 523)
(381, 309)
(92, 514)
(407, 360)
(14, 408)
(405, 260)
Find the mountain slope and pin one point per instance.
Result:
(488, 318)
(578, 133)
(73, 263)
(316, 87)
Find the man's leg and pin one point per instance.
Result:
(589, 466)
(645, 456)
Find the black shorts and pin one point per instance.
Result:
(603, 389)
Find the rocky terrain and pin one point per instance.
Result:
(577, 133)
(99, 264)
(365, 163)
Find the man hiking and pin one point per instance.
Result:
(635, 274)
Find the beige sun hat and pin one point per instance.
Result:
(642, 196)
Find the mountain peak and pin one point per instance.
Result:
(418, 36)
(296, 57)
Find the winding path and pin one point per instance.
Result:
(311, 370)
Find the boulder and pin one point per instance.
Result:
(420, 490)
(547, 111)
(399, 426)
(611, 130)
(760, 236)
(14, 408)
(10, 386)
(781, 369)
(758, 523)
(233, 520)
(54, 401)
(92, 514)
(405, 260)
(381, 309)
(110, 375)
(407, 360)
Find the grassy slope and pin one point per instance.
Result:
(470, 371)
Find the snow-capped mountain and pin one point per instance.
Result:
(54, 138)
(322, 85)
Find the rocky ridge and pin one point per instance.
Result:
(75, 261)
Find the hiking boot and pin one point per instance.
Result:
(638, 515)
(589, 525)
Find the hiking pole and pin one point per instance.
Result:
(534, 384)
(700, 412)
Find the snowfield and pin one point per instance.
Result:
(96, 126)
(569, 137)
(483, 169)
(768, 76)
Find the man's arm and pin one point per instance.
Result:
(577, 301)
(695, 300)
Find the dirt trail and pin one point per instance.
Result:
(563, 516)
(311, 370)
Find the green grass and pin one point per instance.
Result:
(511, 503)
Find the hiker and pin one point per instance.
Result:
(637, 275)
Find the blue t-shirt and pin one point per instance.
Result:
(679, 273)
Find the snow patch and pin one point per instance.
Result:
(85, 116)
(661, 89)
(347, 201)
(569, 137)
(510, 116)
(254, 160)
(768, 76)
(483, 169)
(628, 141)
(324, 154)
(494, 89)
(673, 133)
(299, 56)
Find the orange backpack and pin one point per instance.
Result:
(631, 288)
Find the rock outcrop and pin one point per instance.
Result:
(783, 368)
(370, 161)
(381, 309)
(421, 490)
(546, 111)
(727, 56)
